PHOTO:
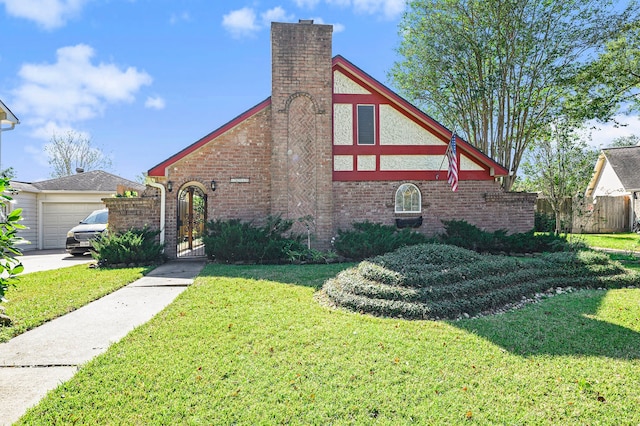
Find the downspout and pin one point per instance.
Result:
(163, 196)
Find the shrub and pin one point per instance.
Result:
(436, 281)
(137, 246)
(462, 234)
(233, 240)
(544, 222)
(368, 239)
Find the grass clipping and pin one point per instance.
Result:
(437, 281)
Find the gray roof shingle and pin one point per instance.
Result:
(626, 163)
(95, 180)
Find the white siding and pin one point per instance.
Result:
(609, 184)
(28, 203)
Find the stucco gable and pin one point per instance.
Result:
(406, 122)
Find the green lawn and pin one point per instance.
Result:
(629, 241)
(41, 296)
(251, 345)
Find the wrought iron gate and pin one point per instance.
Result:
(192, 218)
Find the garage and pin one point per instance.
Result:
(50, 208)
(59, 218)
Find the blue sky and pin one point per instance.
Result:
(145, 78)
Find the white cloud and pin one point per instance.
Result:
(343, 3)
(180, 17)
(241, 22)
(309, 4)
(604, 134)
(50, 128)
(73, 89)
(277, 14)
(38, 154)
(45, 132)
(337, 28)
(155, 102)
(389, 8)
(49, 14)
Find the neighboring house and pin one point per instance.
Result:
(332, 145)
(8, 122)
(617, 176)
(51, 207)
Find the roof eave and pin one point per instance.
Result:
(6, 116)
(160, 169)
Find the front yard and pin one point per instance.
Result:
(250, 345)
(39, 297)
(628, 241)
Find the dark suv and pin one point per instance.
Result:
(80, 236)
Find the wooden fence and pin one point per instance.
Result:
(605, 215)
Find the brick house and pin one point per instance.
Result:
(331, 144)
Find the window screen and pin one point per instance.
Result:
(366, 125)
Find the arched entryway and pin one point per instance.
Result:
(192, 219)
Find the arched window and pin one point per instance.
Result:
(408, 199)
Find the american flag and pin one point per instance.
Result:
(452, 173)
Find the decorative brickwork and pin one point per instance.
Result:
(301, 100)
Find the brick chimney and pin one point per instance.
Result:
(301, 105)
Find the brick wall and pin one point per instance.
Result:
(301, 100)
(238, 161)
(481, 203)
(134, 213)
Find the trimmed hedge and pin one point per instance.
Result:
(462, 234)
(136, 246)
(368, 239)
(438, 281)
(233, 241)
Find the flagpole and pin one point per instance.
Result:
(445, 156)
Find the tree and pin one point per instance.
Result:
(612, 81)
(74, 151)
(496, 71)
(9, 226)
(560, 165)
(624, 141)
(8, 173)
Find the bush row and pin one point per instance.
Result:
(274, 242)
(396, 285)
(135, 246)
(463, 234)
(368, 239)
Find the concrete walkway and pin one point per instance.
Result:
(37, 361)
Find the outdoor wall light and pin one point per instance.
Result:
(169, 186)
(213, 185)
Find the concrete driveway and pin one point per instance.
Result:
(44, 260)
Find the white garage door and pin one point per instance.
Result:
(58, 218)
